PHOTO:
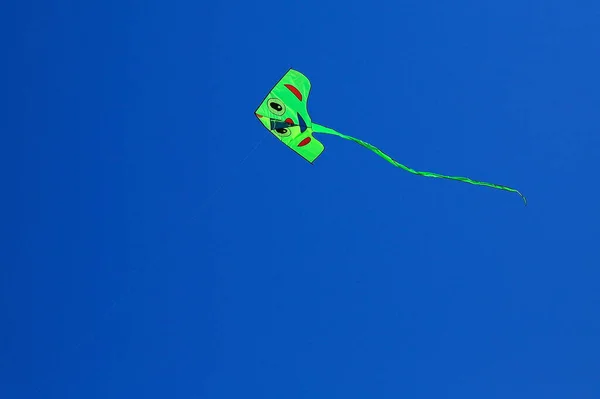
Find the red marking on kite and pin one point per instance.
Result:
(295, 91)
(290, 121)
(259, 115)
(304, 142)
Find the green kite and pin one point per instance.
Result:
(284, 113)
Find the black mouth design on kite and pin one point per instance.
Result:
(289, 122)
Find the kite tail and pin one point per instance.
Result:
(325, 130)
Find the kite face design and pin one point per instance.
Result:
(284, 113)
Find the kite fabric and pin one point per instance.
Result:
(284, 113)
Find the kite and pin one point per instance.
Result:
(284, 113)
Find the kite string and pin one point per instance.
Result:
(325, 130)
(235, 169)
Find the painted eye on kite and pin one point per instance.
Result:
(276, 106)
(283, 132)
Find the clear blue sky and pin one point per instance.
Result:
(142, 258)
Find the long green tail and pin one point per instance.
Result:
(323, 129)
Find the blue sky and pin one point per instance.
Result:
(159, 243)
